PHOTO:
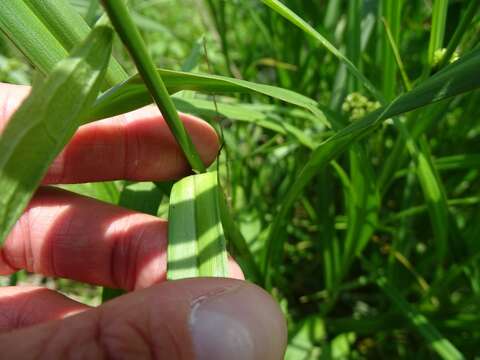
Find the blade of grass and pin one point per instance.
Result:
(415, 210)
(46, 121)
(362, 206)
(133, 93)
(447, 163)
(236, 238)
(328, 242)
(332, 13)
(354, 16)
(432, 189)
(454, 162)
(442, 346)
(391, 14)
(362, 198)
(128, 32)
(398, 59)
(416, 124)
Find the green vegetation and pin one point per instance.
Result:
(349, 176)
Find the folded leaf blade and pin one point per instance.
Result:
(195, 232)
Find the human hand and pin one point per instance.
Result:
(66, 235)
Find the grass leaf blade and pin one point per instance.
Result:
(133, 94)
(437, 341)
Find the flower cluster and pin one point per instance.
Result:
(357, 106)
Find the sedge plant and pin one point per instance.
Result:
(351, 187)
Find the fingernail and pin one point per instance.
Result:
(243, 322)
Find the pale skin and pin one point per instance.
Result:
(70, 236)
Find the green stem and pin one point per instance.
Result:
(128, 32)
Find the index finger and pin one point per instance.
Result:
(133, 146)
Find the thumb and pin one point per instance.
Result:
(206, 318)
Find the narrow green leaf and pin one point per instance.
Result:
(133, 94)
(447, 163)
(193, 59)
(363, 205)
(45, 122)
(354, 18)
(417, 123)
(328, 242)
(432, 190)
(398, 59)
(361, 195)
(128, 32)
(444, 348)
(243, 254)
(391, 12)
(106, 191)
(415, 210)
(453, 162)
